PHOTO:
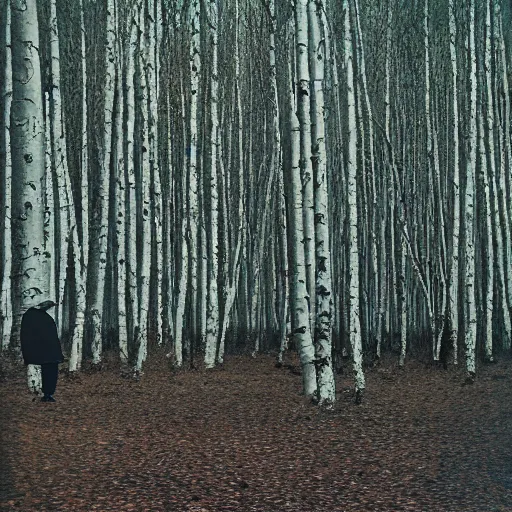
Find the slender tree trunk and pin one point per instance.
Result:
(373, 249)
(141, 339)
(184, 267)
(5, 298)
(131, 196)
(212, 328)
(195, 69)
(355, 323)
(152, 46)
(304, 109)
(101, 213)
(453, 283)
(504, 135)
(470, 334)
(488, 246)
(299, 295)
(60, 168)
(121, 204)
(324, 303)
(81, 245)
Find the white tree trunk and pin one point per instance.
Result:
(84, 176)
(489, 250)
(212, 328)
(30, 263)
(131, 216)
(184, 267)
(101, 238)
(453, 283)
(141, 341)
(195, 69)
(324, 291)
(299, 296)
(488, 170)
(49, 200)
(5, 298)
(152, 79)
(278, 164)
(303, 112)
(376, 330)
(470, 334)
(355, 324)
(80, 238)
(120, 217)
(60, 168)
(504, 142)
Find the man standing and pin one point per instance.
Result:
(40, 345)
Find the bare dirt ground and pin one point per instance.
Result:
(242, 438)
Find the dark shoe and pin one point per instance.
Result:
(48, 398)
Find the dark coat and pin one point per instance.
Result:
(39, 339)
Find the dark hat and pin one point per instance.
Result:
(47, 304)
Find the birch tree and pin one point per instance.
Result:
(303, 112)
(30, 264)
(121, 201)
(59, 160)
(453, 280)
(184, 266)
(5, 299)
(212, 330)
(101, 212)
(489, 250)
(193, 221)
(277, 164)
(141, 336)
(299, 303)
(66, 224)
(355, 325)
(131, 199)
(323, 358)
(81, 245)
(470, 334)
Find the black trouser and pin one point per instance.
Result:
(50, 374)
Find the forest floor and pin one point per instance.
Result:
(242, 438)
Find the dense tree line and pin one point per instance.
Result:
(209, 175)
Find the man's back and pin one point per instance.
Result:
(39, 338)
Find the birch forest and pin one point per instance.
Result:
(210, 177)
